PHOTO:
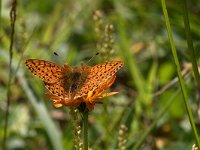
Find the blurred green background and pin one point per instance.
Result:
(76, 31)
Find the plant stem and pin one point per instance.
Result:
(85, 130)
(12, 24)
(190, 42)
(182, 85)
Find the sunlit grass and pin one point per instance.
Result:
(148, 102)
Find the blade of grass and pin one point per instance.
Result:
(66, 24)
(150, 86)
(190, 43)
(182, 85)
(51, 129)
(53, 132)
(22, 56)
(12, 27)
(141, 140)
(0, 19)
(129, 60)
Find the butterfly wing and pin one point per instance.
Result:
(99, 75)
(56, 89)
(45, 70)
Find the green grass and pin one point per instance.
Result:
(156, 47)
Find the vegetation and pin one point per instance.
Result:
(158, 101)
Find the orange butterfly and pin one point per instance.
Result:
(70, 86)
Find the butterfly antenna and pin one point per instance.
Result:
(57, 56)
(92, 57)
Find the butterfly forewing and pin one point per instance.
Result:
(47, 71)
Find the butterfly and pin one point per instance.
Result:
(73, 83)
